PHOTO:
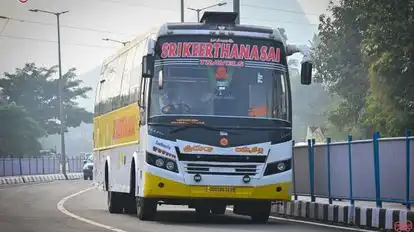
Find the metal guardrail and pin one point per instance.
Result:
(379, 169)
(37, 165)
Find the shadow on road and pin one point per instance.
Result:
(172, 217)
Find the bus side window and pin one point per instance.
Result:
(128, 73)
(98, 100)
(135, 78)
(116, 82)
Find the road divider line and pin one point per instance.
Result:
(313, 223)
(61, 208)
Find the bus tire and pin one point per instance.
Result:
(146, 209)
(261, 213)
(218, 209)
(115, 201)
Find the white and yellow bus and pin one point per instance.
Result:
(197, 114)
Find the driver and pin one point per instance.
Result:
(169, 97)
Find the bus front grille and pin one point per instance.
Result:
(223, 169)
(220, 158)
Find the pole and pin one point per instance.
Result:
(182, 11)
(236, 9)
(61, 113)
(198, 16)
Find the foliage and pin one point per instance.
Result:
(36, 90)
(19, 132)
(309, 102)
(339, 64)
(364, 56)
(388, 45)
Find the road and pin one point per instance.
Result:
(34, 208)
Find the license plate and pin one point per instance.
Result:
(221, 189)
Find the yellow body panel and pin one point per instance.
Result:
(116, 128)
(173, 189)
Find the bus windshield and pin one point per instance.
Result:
(214, 87)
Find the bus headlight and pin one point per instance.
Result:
(278, 167)
(159, 162)
(170, 165)
(281, 166)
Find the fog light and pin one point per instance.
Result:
(159, 162)
(246, 179)
(278, 189)
(197, 178)
(170, 165)
(281, 166)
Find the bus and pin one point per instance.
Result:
(199, 115)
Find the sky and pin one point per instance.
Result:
(31, 37)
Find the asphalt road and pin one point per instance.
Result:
(34, 208)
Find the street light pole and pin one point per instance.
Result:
(182, 11)
(61, 86)
(198, 15)
(201, 9)
(236, 9)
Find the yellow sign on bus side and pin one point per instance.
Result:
(117, 127)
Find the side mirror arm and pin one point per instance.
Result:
(303, 49)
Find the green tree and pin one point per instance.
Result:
(388, 45)
(309, 103)
(36, 90)
(19, 132)
(339, 63)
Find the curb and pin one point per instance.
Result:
(38, 178)
(376, 218)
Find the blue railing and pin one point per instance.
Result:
(377, 170)
(17, 166)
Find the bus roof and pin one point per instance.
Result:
(131, 44)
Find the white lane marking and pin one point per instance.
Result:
(61, 208)
(314, 223)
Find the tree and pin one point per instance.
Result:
(388, 45)
(36, 90)
(19, 132)
(339, 63)
(310, 103)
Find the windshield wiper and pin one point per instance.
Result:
(195, 125)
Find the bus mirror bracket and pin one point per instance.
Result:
(148, 62)
(160, 79)
(306, 64)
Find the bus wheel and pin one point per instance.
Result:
(146, 209)
(218, 209)
(261, 213)
(115, 202)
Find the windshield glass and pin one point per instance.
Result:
(220, 87)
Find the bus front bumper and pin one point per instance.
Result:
(159, 187)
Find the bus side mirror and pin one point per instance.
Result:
(148, 62)
(306, 73)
